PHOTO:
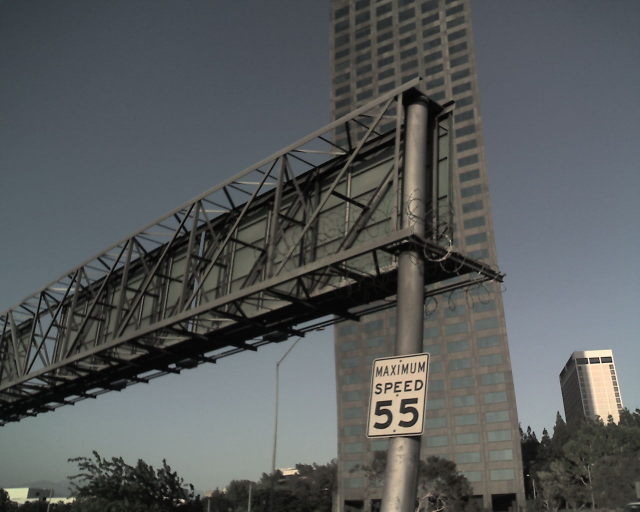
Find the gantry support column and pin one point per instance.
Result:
(400, 486)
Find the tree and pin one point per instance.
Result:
(113, 485)
(587, 463)
(440, 485)
(530, 448)
(6, 505)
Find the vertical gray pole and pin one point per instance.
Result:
(401, 479)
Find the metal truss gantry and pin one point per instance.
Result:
(307, 237)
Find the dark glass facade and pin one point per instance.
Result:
(472, 417)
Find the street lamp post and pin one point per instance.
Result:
(275, 426)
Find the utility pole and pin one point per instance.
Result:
(401, 478)
(275, 424)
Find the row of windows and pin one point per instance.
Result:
(482, 342)
(362, 13)
(480, 324)
(430, 331)
(471, 438)
(467, 419)
(473, 477)
(438, 421)
(496, 397)
(435, 367)
(444, 440)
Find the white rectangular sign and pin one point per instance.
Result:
(398, 396)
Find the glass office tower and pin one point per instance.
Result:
(589, 386)
(471, 412)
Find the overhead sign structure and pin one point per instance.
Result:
(307, 237)
(398, 396)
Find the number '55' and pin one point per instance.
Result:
(406, 407)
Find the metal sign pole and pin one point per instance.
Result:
(401, 479)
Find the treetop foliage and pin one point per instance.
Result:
(114, 485)
(586, 464)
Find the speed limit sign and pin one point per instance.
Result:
(398, 396)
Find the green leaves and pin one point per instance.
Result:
(114, 485)
(588, 464)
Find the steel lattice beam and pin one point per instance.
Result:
(311, 231)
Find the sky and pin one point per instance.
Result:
(113, 113)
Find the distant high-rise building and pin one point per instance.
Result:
(590, 386)
(471, 417)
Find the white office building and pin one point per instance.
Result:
(590, 387)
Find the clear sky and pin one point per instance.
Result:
(113, 113)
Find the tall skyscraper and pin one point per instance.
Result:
(471, 412)
(590, 387)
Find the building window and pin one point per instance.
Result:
(472, 207)
(354, 483)
(433, 70)
(439, 422)
(495, 398)
(437, 441)
(456, 35)
(502, 474)
(457, 346)
(438, 82)
(432, 349)
(492, 378)
(463, 401)
(458, 75)
(353, 447)
(455, 22)
(466, 419)
(475, 239)
(378, 341)
(470, 191)
(488, 341)
(353, 379)
(460, 364)
(486, 323)
(433, 404)
(435, 367)
(349, 362)
(469, 175)
(475, 222)
(466, 130)
(491, 360)
(346, 346)
(361, 17)
(465, 146)
(472, 476)
(496, 416)
(431, 332)
(495, 436)
(353, 412)
(351, 396)
(461, 88)
(380, 445)
(458, 328)
(468, 160)
(436, 385)
(470, 438)
(462, 382)
(481, 307)
(454, 310)
(457, 48)
(339, 13)
(467, 457)
(499, 455)
(354, 430)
